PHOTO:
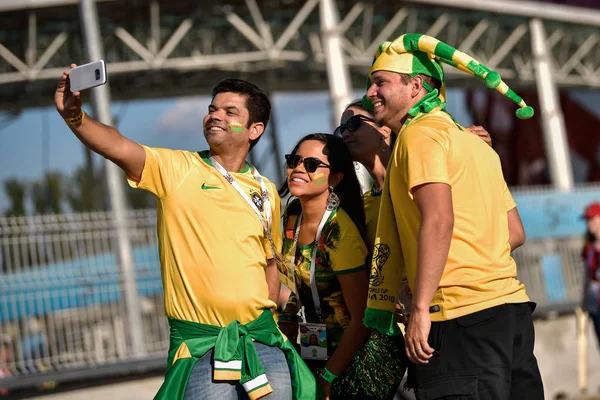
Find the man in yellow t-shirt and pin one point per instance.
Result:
(217, 263)
(447, 218)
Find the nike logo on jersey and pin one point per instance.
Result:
(207, 187)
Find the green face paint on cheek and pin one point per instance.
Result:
(319, 178)
(235, 127)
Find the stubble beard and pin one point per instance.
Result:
(215, 139)
(388, 120)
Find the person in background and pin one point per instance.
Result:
(591, 258)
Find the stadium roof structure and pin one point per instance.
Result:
(160, 48)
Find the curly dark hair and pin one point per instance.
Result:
(348, 190)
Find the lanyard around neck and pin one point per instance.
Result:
(263, 193)
(313, 279)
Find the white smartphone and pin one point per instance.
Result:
(88, 76)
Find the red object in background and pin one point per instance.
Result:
(592, 210)
(4, 373)
(520, 143)
(590, 256)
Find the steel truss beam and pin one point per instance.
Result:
(278, 44)
(157, 37)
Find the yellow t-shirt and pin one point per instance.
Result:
(212, 248)
(372, 201)
(480, 272)
(341, 250)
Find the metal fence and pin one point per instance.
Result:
(553, 273)
(62, 309)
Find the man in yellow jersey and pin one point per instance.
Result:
(218, 226)
(447, 218)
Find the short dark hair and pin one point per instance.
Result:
(434, 83)
(358, 104)
(257, 102)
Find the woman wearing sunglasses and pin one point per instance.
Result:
(371, 145)
(324, 241)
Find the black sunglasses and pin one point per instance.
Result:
(352, 124)
(310, 163)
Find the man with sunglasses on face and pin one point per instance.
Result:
(218, 231)
(448, 221)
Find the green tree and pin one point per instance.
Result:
(39, 196)
(82, 191)
(15, 190)
(47, 195)
(55, 183)
(136, 198)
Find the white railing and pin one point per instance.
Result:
(61, 294)
(62, 307)
(552, 271)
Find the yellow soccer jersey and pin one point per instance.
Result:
(341, 250)
(372, 201)
(212, 248)
(480, 272)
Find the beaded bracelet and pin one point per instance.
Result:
(75, 120)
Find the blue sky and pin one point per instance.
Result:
(172, 123)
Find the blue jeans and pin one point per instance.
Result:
(201, 385)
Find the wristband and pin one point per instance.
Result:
(327, 375)
(75, 120)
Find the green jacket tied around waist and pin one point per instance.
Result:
(235, 357)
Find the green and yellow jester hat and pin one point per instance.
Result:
(414, 54)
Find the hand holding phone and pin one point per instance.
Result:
(67, 104)
(87, 76)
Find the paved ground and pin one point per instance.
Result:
(556, 349)
(133, 389)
